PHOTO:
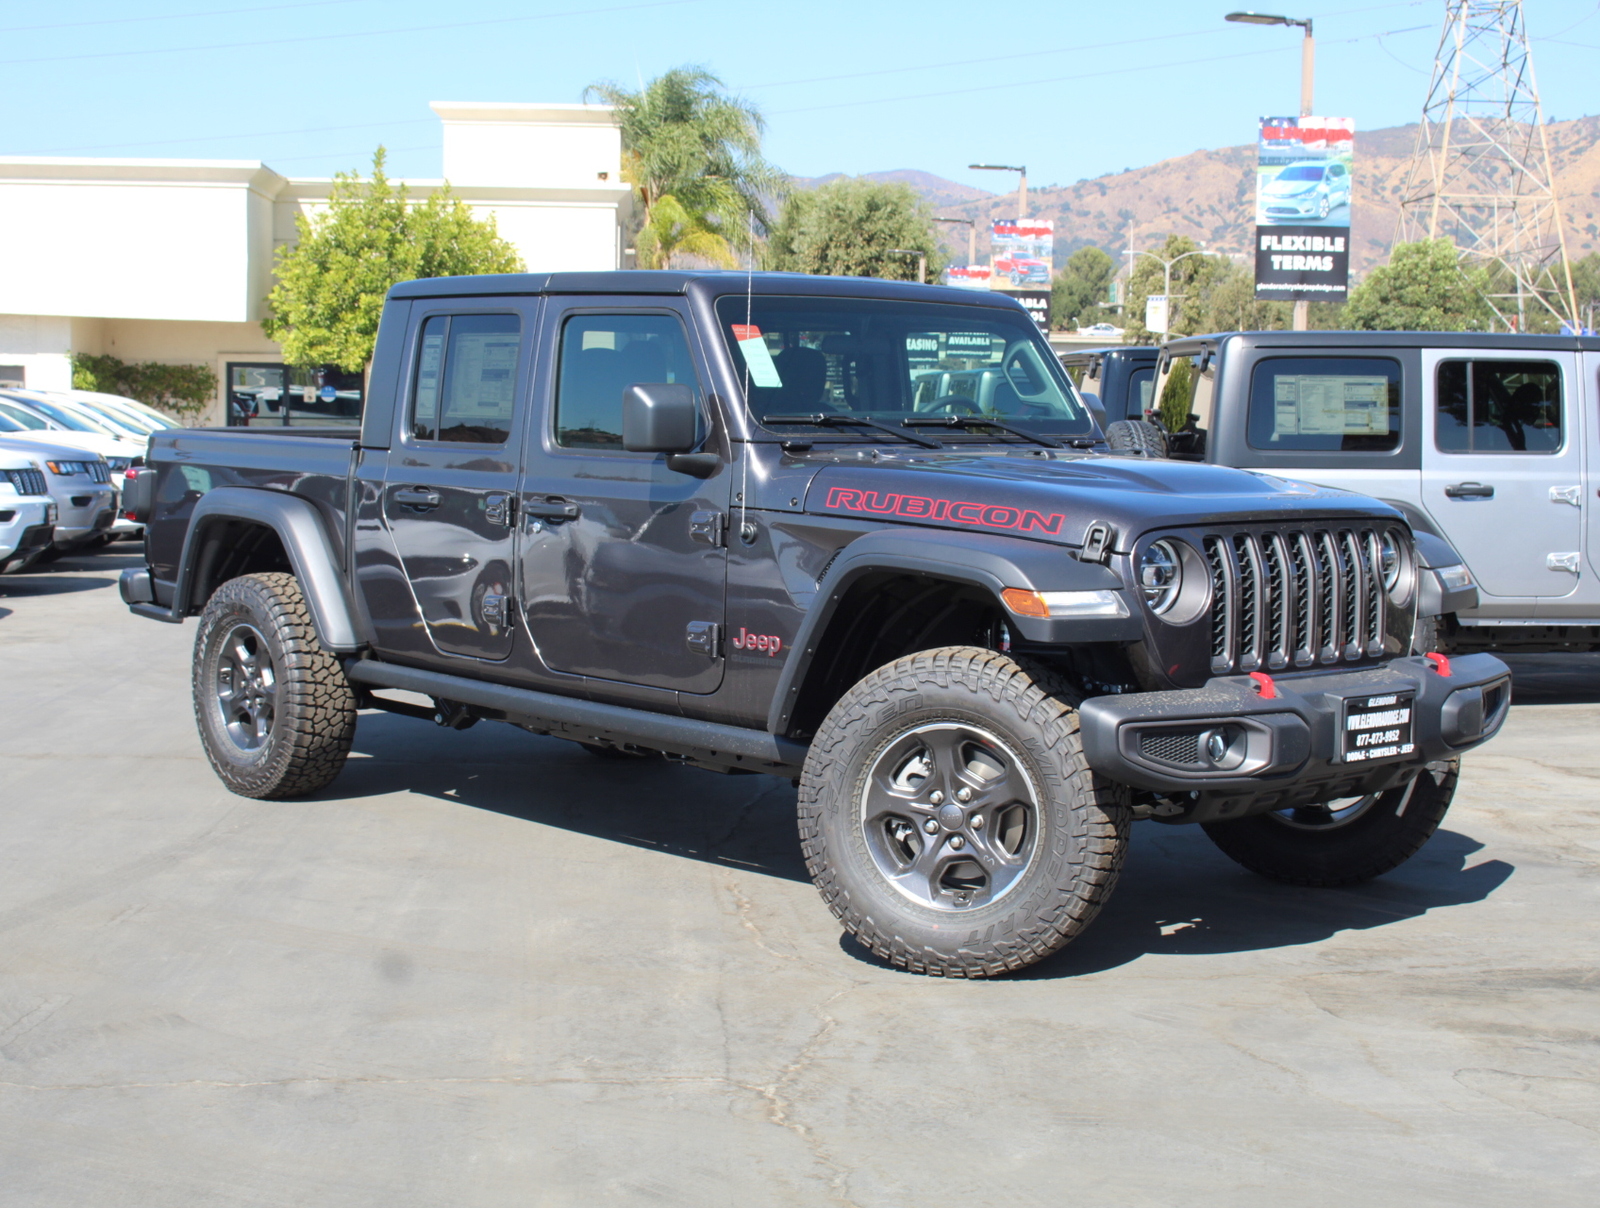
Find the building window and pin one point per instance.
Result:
(281, 396)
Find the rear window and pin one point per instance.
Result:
(1325, 404)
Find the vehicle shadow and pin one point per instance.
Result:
(1180, 896)
(66, 573)
(744, 822)
(1554, 679)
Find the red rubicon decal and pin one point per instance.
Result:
(922, 507)
(766, 643)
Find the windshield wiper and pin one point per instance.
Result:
(832, 419)
(968, 421)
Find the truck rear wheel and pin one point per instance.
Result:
(950, 820)
(1343, 842)
(275, 712)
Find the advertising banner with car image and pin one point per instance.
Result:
(1022, 253)
(1304, 181)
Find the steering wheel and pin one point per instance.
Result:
(952, 403)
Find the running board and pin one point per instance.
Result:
(706, 742)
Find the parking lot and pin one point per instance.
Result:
(488, 969)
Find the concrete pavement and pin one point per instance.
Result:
(488, 969)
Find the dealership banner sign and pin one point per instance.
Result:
(1022, 253)
(1303, 190)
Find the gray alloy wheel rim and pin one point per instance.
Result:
(934, 848)
(246, 688)
(1338, 813)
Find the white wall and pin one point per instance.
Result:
(40, 345)
(130, 239)
(537, 146)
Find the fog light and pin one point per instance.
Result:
(1224, 747)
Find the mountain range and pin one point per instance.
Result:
(1208, 195)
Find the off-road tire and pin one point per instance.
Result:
(1138, 436)
(314, 710)
(1382, 837)
(1079, 842)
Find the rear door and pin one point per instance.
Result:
(450, 487)
(1502, 473)
(624, 561)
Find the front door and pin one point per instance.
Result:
(1502, 473)
(450, 490)
(624, 566)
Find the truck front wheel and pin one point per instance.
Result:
(275, 712)
(1343, 842)
(950, 820)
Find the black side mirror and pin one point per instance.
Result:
(660, 417)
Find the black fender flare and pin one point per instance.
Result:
(991, 562)
(305, 538)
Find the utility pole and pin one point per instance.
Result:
(1481, 174)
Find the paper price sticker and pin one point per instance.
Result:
(756, 357)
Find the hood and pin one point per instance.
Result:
(1056, 498)
(1291, 188)
(59, 446)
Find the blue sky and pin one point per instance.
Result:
(1071, 89)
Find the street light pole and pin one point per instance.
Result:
(1166, 276)
(1308, 66)
(922, 261)
(1022, 183)
(972, 237)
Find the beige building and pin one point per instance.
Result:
(171, 260)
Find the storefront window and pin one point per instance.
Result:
(281, 396)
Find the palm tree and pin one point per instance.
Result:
(693, 156)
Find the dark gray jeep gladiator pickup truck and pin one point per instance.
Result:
(858, 533)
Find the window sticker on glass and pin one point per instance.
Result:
(757, 357)
(970, 344)
(1328, 405)
(483, 367)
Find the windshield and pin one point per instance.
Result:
(21, 418)
(67, 419)
(119, 424)
(890, 361)
(7, 424)
(1303, 172)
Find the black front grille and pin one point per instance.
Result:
(27, 482)
(1283, 599)
(99, 471)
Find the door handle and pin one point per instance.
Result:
(1470, 490)
(418, 497)
(553, 511)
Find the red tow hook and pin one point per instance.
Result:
(1265, 686)
(1440, 664)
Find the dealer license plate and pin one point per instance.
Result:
(1376, 727)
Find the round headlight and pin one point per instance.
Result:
(1390, 560)
(1160, 576)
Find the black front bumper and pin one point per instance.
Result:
(1284, 751)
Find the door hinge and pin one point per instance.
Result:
(1566, 495)
(500, 510)
(1567, 562)
(708, 528)
(704, 637)
(495, 609)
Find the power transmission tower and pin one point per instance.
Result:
(1481, 173)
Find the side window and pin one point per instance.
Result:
(1498, 407)
(466, 379)
(1141, 382)
(1325, 404)
(601, 356)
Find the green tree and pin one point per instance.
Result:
(1176, 395)
(1586, 284)
(848, 228)
(1079, 292)
(1192, 278)
(184, 389)
(1424, 287)
(693, 156)
(1228, 302)
(325, 305)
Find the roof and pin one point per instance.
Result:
(709, 282)
(1499, 341)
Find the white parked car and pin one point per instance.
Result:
(27, 512)
(78, 481)
(57, 421)
(1101, 331)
